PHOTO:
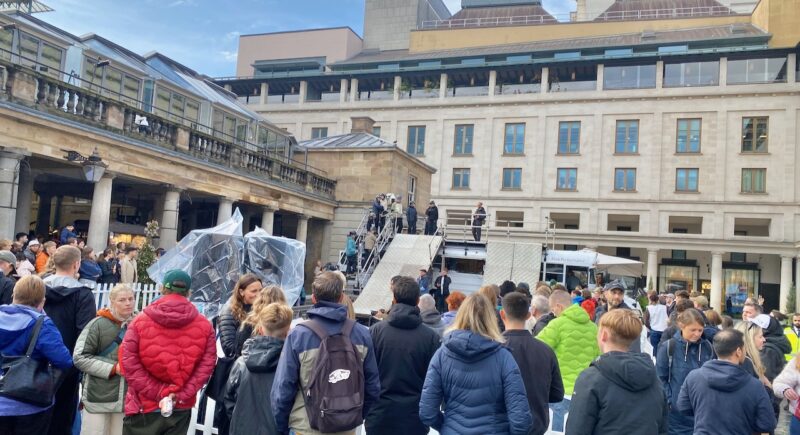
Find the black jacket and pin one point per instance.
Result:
(618, 394)
(6, 290)
(70, 309)
(228, 326)
(725, 399)
(411, 214)
(246, 397)
(107, 275)
(775, 349)
(541, 323)
(403, 349)
(443, 286)
(432, 213)
(540, 374)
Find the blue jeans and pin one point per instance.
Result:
(560, 411)
(794, 426)
(655, 338)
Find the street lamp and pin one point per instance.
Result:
(93, 166)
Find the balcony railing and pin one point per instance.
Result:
(51, 95)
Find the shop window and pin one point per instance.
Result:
(739, 284)
(675, 277)
(679, 254)
(623, 222)
(510, 219)
(685, 225)
(751, 227)
(566, 221)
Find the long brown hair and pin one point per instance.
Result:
(237, 297)
(269, 294)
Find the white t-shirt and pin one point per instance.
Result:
(658, 317)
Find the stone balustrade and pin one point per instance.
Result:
(85, 105)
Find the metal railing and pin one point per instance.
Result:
(632, 15)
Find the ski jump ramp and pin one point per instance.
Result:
(406, 255)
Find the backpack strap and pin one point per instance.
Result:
(34, 335)
(115, 343)
(316, 328)
(670, 353)
(348, 326)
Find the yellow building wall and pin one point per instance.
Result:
(781, 18)
(433, 40)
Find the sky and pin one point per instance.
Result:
(204, 34)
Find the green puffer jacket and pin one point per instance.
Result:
(103, 392)
(573, 337)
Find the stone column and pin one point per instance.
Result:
(262, 99)
(24, 199)
(492, 82)
(100, 214)
(716, 281)
(9, 167)
(545, 82)
(343, 91)
(302, 228)
(268, 219)
(443, 85)
(659, 74)
(169, 219)
(43, 214)
(723, 71)
(786, 281)
(791, 68)
(353, 90)
(327, 231)
(652, 268)
(303, 91)
(600, 74)
(398, 82)
(225, 210)
(796, 308)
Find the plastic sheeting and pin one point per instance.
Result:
(216, 257)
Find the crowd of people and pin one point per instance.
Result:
(499, 361)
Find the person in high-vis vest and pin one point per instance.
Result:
(792, 332)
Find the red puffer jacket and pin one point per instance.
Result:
(169, 348)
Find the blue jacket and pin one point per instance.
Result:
(724, 398)
(297, 362)
(16, 326)
(351, 247)
(90, 270)
(685, 358)
(479, 384)
(411, 214)
(66, 234)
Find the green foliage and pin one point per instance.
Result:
(147, 252)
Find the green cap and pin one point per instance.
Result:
(177, 279)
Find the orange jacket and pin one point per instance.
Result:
(41, 262)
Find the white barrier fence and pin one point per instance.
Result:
(144, 294)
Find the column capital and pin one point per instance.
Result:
(173, 188)
(652, 250)
(787, 257)
(14, 153)
(269, 208)
(303, 217)
(717, 253)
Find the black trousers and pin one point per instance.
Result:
(412, 227)
(34, 424)
(154, 424)
(476, 232)
(66, 405)
(398, 225)
(430, 228)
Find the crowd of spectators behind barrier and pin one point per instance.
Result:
(499, 361)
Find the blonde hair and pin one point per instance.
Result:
(66, 256)
(351, 310)
(624, 326)
(49, 267)
(490, 292)
(751, 331)
(478, 315)
(272, 318)
(29, 291)
(269, 294)
(119, 288)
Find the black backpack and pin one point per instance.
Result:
(334, 396)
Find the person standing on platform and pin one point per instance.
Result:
(478, 219)
(431, 218)
(411, 218)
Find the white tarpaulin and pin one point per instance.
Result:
(616, 265)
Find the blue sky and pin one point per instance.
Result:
(203, 34)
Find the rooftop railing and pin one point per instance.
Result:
(96, 107)
(527, 20)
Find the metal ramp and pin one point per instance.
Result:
(406, 255)
(515, 261)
